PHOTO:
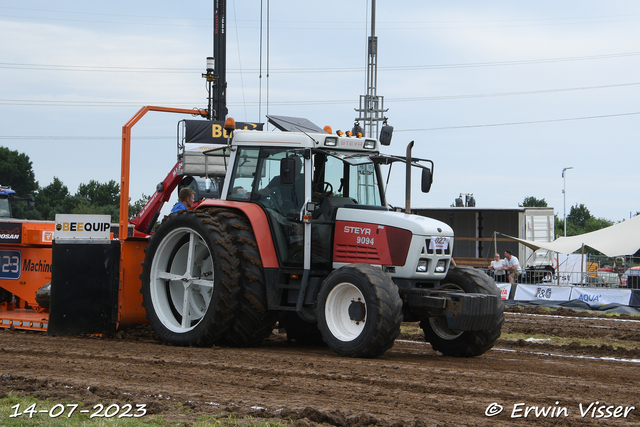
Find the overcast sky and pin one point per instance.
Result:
(500, 95)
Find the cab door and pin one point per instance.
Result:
(256, 178)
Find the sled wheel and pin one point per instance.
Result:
(43, 296)
(299, 330)
(464, 343)
(190, 278)
(252, 321)
(359, 311)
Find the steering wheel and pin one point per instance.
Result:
(271, 200)
(325, 187)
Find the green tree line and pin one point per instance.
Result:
(90, 198)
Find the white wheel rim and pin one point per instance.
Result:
(182, 286)
(439, 324)
(336, 312)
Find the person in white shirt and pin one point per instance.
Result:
(512, 266)
(497, 266)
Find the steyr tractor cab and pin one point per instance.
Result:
(303, 234)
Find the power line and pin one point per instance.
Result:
(79, 138)
(113, 138)
(335, 24)
(498, 94)
(61, 103)
(75, 12)
(152, 24)
(603, 116)
(578, 19)
(93, 68)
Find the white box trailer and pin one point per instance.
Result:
(474, 228)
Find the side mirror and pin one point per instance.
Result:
(427, 179)
(287, 171)
(385, 135)
(31, 204)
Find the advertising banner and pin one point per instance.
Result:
(505, 289)
(542, 293)
(602, 296)
(213, 131)
(85, 228)
(635, 298)
(570, 268)
(11, 232)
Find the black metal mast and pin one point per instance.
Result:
(220, 110)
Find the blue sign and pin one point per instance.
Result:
(10, 264)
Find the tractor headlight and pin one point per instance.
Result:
(369, 144)
(330, 141)
(441, 266)
(422, 266)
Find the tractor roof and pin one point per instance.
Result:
(305, 140)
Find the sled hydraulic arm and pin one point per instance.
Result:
(147, 217)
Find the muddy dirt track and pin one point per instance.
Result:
(410, 385)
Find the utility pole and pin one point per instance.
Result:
(371, 110)
(564, 193)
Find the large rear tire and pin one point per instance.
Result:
(191, 278)
(464, 343)
(252, 321)
(359, 311)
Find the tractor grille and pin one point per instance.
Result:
(437, 251)
(354, 253)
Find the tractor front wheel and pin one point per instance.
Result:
(359, 311)
(456, 343)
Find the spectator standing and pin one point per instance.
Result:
(512, 266)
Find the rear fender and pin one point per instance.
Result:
(259, 223)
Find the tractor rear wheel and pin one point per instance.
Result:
(359, 311)
(252, 321)
(191, 278)
(464, 343)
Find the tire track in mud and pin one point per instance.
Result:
(612, 329)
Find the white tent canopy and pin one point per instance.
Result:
(617, 240)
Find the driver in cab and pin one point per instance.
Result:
(287, 194)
